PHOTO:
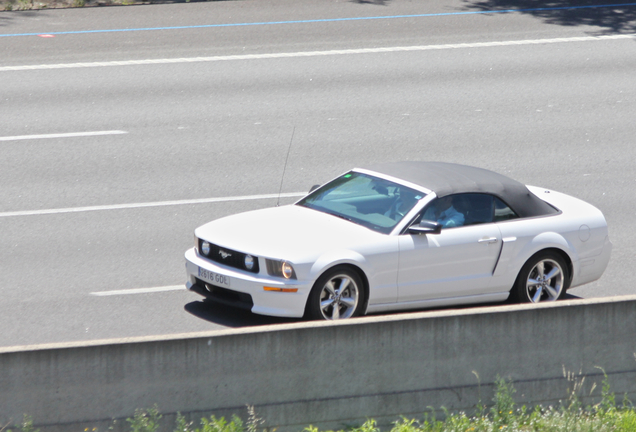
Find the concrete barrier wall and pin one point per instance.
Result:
(331, 375)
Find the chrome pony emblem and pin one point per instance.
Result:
(224, 254)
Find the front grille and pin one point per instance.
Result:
(228, 257)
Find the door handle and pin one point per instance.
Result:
(488, 240)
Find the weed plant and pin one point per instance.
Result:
(504, 415)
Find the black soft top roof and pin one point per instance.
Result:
(447, 179)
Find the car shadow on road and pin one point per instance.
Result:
(232, 317)
(611, 17)
(235, 318)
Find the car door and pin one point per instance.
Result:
(459, 261)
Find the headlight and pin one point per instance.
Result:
(205, 248)
(249, 262)
(287, 269)
(280, 268)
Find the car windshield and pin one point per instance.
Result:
(363, 199)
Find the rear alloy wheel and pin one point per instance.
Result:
(542, 279)
(337, 294)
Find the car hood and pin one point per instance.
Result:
(289, 232)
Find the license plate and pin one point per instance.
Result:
(214, 278)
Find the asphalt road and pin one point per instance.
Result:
(182, 111)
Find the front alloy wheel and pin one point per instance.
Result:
(337, 294)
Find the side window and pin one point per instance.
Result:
(503, 212)
(467, 209)
(446, 210)
(478, 208)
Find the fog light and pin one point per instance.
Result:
(205, 248)
(249, 262)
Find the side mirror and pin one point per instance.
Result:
(313, 188)
(425, 227)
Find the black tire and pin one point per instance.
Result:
(337, 294)
(543, 278)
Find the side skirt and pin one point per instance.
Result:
(442, 302)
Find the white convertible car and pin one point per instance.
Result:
(405, 235)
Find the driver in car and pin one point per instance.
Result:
(443, 212)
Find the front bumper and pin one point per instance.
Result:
(245, 290)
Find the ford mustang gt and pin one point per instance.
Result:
(404, 235)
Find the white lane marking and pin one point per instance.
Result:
(315, 53)
(62, 135)
(149, 204)
(139, 290)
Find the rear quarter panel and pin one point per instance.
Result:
(579, 230)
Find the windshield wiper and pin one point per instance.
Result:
(324, 210)
(341, 216)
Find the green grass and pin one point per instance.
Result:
(502, 415)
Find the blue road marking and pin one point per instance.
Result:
(322, 20)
